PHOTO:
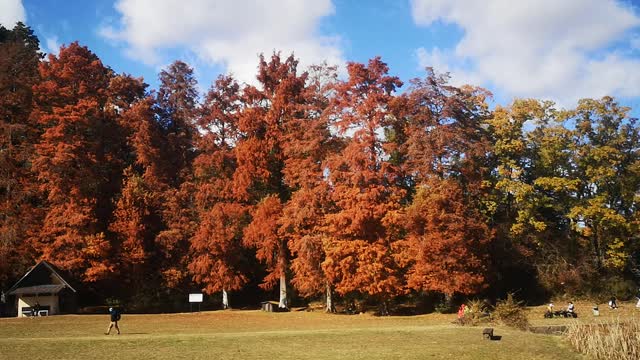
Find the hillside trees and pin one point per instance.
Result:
(330, 186)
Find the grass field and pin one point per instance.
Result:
(260, 335)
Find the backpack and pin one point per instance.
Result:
(118, 316)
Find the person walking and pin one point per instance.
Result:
(115, 317)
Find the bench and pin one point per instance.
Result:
(487, 333)
(560, 313)
(43, 311)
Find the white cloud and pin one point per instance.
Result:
(538, 48)
(11, 11)
(53, 46)
(226, 32)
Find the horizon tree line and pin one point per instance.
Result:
(354, 187)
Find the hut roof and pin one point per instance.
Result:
(31, 281)
(38, 289)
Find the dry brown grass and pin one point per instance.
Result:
(259, 335)
(627, 310)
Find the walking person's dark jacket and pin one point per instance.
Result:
(115, 315)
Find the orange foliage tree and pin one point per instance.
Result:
(445, 150)
(137, 219)
(177, 109)
(360, 253)
(446, 242)
(259, 179)
(445, 131)
(308, 143)
(19, 58)
(218, 261)
(74, 160)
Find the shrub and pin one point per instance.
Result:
(478, 313)
(510, 312)
(621, 288)
(612, 341)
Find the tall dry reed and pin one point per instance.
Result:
(617, 340)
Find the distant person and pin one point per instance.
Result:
(35, 309)
(571, 309)
(461, 311)
(638, 303)
(549, 313)
(115, 317)
(612, 303)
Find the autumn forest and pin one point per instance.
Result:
(309, 185)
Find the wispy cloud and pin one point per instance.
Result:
(52, 44)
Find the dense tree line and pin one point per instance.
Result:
(305, 182)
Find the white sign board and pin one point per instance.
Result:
(195, 298)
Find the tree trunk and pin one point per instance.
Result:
(225, 299)
(384, 308)
(597, 248)
(448, 301)
(283, 292)
(329, 307)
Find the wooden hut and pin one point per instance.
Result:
(45, 288)
(272, 306)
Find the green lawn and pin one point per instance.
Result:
(259, 335)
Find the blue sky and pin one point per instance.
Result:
(550, 49)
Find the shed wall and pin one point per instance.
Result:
(30, 301)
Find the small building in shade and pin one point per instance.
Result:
(45, 288)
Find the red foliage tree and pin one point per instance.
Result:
(363, 187)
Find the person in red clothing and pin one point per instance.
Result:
(461, 311)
